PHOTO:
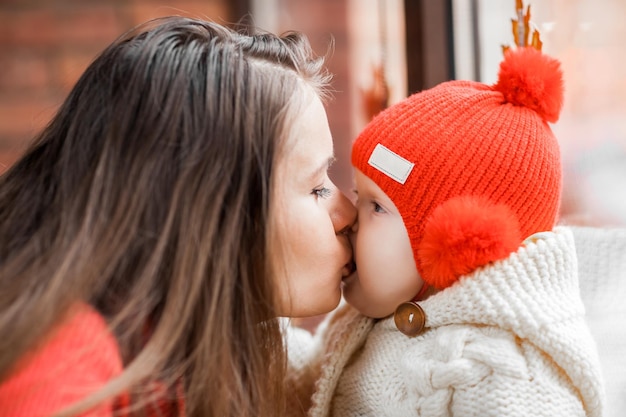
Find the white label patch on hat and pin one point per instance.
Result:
(390, 163)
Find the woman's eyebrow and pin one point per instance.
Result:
(323, 167)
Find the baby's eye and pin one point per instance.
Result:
(322, 192)
(377, 207)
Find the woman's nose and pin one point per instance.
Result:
(343, 214)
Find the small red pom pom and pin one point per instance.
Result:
(531, 79)
(463, 234)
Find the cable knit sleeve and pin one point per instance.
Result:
(74, 361)
(463, 370)
(315, 361)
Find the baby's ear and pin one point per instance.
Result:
(465, 233)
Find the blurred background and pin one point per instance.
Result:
(380, 51)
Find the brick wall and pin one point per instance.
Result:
(46, 44)
(325, 24)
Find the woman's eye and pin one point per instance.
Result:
(322, 192)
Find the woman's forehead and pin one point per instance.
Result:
(309, 144)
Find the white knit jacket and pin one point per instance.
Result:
(508, 340)
(602, 275)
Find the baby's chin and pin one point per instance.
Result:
(369, 308)
(372, 313)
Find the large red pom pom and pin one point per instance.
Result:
(531, 79)
(463, 234)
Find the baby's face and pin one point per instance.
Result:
(386, 272)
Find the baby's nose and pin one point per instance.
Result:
(352, 234)
(355, 227)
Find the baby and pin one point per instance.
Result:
(466, 300)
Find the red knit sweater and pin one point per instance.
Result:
(74, 361)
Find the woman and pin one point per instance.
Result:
(177, 204)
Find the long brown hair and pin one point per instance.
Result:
(148, 196)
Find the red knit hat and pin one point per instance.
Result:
(473, 169)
